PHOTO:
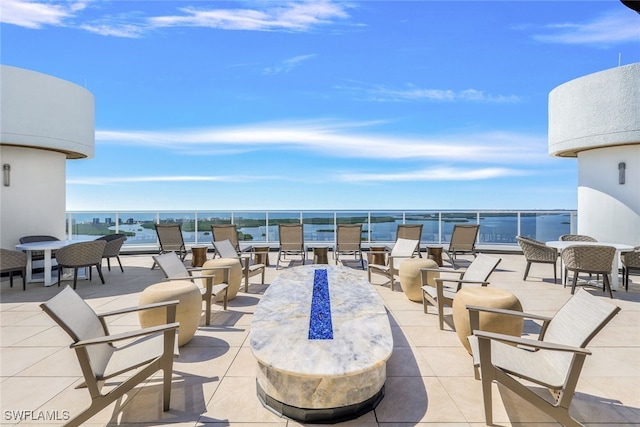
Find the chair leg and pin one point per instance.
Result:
(75, 277)
(526, 270)
(575, 282)
(441, 314)
(109, 264)
(98, 267)
(118, 258)
(607, 284)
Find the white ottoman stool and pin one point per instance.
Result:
(235, 275)
(411, 276)
(188, 311)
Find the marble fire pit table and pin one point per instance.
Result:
(336, 377)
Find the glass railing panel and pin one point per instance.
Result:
(276, 218)
(384, 226)
(449, 219)
(498, 227)
(545, 226)
(251, 226)
(206, 220)
(355, 217)
(90, 226)
(318, 226)
(430, 225)
(187, 223)
(138, 227)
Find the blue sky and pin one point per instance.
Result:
(264, 105)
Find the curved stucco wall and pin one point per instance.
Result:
(597, 110)
(43, 122)
(42, 111)
(34, 202)
(596, 118)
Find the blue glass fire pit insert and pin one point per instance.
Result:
(320, 327)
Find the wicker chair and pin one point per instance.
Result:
(594, 259)
(79, 255)
(538, 252)
(577, 238)
(112, 248)
(630, 261)
(12, 262)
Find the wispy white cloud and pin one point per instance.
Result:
(340, 139)
(297, 16)
(615, 27)
(288, 64)
(104, 180)
(413, 93)
(37, 14)
(291, 16)
(433, 174)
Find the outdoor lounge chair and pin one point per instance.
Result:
(537, 252)
(228, 232)
(170, 240)
(151, 350)
(174, 269)
(553, 361)
(291, 241)
(112, 248)
(463, 241)
(348, 242)
(592, 259)
(14, 261)
(402, 249)
(410, 232)
(226, 250)
(477, 274)
(81, 255)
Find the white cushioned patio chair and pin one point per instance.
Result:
(174, 269)
(402, 249)
(477, 274)
(225, 249)
(553, 361)
(148, 350)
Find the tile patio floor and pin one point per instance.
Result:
(429, 377)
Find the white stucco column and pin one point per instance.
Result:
(43, 122)
(596, 118)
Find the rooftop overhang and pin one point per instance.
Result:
(595, 111)
(45, 112)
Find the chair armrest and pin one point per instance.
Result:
(138, 308)
(217, 267)
(509, 312)
(461, 281)
(540, 345)
(126, 335)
